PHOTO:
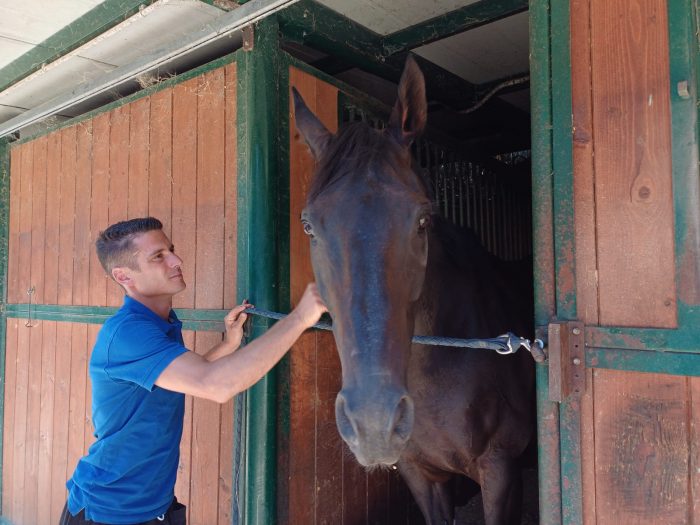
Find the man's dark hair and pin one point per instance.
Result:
(115, 244)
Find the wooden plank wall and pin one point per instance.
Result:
(326, 484)
(639, 431)
(172, 155)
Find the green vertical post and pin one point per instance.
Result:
(4, 248)
(258, 201)
(543, 253)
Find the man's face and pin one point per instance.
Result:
(159, 269)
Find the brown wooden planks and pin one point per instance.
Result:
(67, 180)
(139, 136)
(13, 230)
(24, 248)
(632, 162)
(204, 486)
(184, 235)
(51, 240)
(21, 406)
(46, 430)
(99, 202)
(8, 443)
(230, 188)
(184, 471)
(642, 448)
(65, 188)
(210, 191)
(77, 395)
(584, 181)
(60, 469)
(81, 227)
(118, 184)
(160, 163)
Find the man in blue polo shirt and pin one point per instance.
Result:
(140, 371)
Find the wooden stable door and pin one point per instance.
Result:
(170, 153)
(626, 239)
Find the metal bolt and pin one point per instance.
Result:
(576, 331)
(576, 361)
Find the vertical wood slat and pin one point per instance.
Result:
(230, 187)
(118, 191)
(81, 232)
(206, 425)
(184, 236)
(23, 342)
(60, 468)
(184, 471)
(139, 145)
(8, 443)
(99, 205)
(584, 218)
(584, 179)
(14, 227)
(46, 430)
(632, 162)
(77, 399)
(210, 190)
(160, 161)
(642, 435)
(67, 180)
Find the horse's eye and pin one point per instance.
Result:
(423, 223)
(308, 229)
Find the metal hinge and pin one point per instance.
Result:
(566, 360)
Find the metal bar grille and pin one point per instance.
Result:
(492, 201)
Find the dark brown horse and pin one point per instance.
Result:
(388, 267)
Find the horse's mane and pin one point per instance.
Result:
(355, 149)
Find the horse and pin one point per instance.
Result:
(388, 267)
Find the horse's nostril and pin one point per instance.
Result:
(345, 426)
(403, 418)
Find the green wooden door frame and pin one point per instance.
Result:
(674, 351)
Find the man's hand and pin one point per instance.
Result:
(233, 322)
(310, 307)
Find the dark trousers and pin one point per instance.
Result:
(175, 515)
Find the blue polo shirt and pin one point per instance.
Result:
(128, 475)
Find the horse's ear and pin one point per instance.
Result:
(410, 112)
(314, 132)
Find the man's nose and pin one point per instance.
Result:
(174, 260)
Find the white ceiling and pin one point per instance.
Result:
(490, 52)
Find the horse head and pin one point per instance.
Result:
(368, 218)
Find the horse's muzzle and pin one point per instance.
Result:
(376, 426)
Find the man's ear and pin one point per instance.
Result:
(121, 276)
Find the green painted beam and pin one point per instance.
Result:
(93, 23)
(456, 21)
(633, 360)
(199, 320)
(315, 25)
(258, 257)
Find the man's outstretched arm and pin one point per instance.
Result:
(223, 378)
